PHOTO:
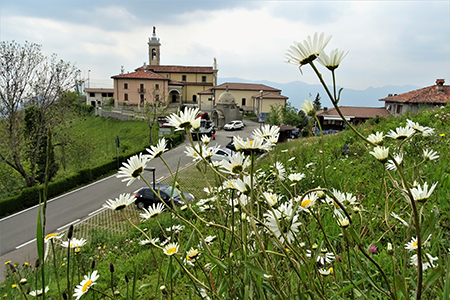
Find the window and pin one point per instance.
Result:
(103, 94)
(243, 101)
(203, 78)
(183, 77)
(156, 97)
(194, 98)
(157, 87)
(110, 94)
(399, 109)
(141, 97)
(125, 97)
(125, 86)
(91, 94)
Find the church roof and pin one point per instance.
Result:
(436, 94)
(140, 75)
(270, 95)
(241, 86)
(177, 69)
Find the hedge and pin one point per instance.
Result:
(29, 197)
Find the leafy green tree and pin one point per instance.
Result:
(317, 104)
(28, 78)
(275, 115)
(291, 115)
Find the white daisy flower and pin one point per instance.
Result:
(191, 256)
(195, 152)
(159, 149)
(171, 249)
(380, 153)
(210, 239)
(242, 185)
(428, 262)
(74, 243)
(84, 286)
(289, 224)
(251, 145)
(306, 52)
(323, 257)
(267, 131)
(421, 195)
(279, 170)
(119, 203)
(237, 164)
(175, 228)
(153, 211)
(391, 165)
(52, 236)
(205, 139)
(401, 133)
(133, 168)
(343, 222)
(196, 124)
(38, 293)
(309, 200)
(412, 245)
(309, 165)
(271, 198)
(332, 62)
(308, 107)
(296, 177)
(430, 154)
(426, 131)
(325, 271)
(394, 215)
(185, 120)
(376, 138)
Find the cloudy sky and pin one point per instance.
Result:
(390, 42)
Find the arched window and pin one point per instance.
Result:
(153, 53)
(194, 98)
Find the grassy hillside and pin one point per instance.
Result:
(323, 260)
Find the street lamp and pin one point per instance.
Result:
(89, 79)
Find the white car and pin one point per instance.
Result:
(222, 153)
(233, 125)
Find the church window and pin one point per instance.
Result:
(243, 101)
(183, 77)
(154, 54)
(203, 78)
(157, 87)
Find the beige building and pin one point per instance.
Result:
(98, 96)
(249, 97)
(167, 83)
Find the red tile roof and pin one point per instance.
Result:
(270, 95)
(357, 112)
(177, 69)
(140, 75)
(436, 94)
(241, 86)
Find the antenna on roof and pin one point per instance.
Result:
(145, 66)
(122, 70)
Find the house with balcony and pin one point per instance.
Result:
(430, 96)
(98, 96)
(330, 119)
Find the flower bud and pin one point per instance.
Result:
(111, 267)
(70, 233)
(390, 249)
(37, 263)
(126, 279)
(93, 265)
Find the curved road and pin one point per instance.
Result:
(18, 231)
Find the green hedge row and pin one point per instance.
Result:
(29, 197)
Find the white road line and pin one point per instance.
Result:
(159, 179)
(67, 225)
(96, 211)
(48, 201)
(24, 244)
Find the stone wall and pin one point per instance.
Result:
(124, 116)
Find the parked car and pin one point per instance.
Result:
(231, 146)
(145, 197)
(221, 154)
(330, 131)
(234, 125)
(295, 133)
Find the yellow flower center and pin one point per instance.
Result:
(86, 285)
(50, 236)
(251, 143)
(415, 244)
(137, 172)
(171, 251)
(331, 270)
(306, 203)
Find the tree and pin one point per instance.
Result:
(316, 103)
(28, 78)
(286, 114)
(275, 117)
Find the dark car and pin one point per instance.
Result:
(231, 146)
(295, 133)
(145, 197)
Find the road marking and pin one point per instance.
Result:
(60, 196)
(96, 211)
(24, 244)
(67, 225)
(159, 179)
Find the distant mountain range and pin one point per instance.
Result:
(298, 91)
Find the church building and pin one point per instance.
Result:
(154, 82)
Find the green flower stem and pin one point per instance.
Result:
(323, 150)
(348, 259)
(167, 166)
(20, 286)
(54, 267)
(192, 277)
(68, 270)
(101, 292)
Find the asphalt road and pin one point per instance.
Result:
(18, 231)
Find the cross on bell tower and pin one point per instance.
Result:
(153, 49)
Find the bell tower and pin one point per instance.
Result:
(154, 49)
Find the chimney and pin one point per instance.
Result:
(144, 67)
(440, 85)
(325, 109)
